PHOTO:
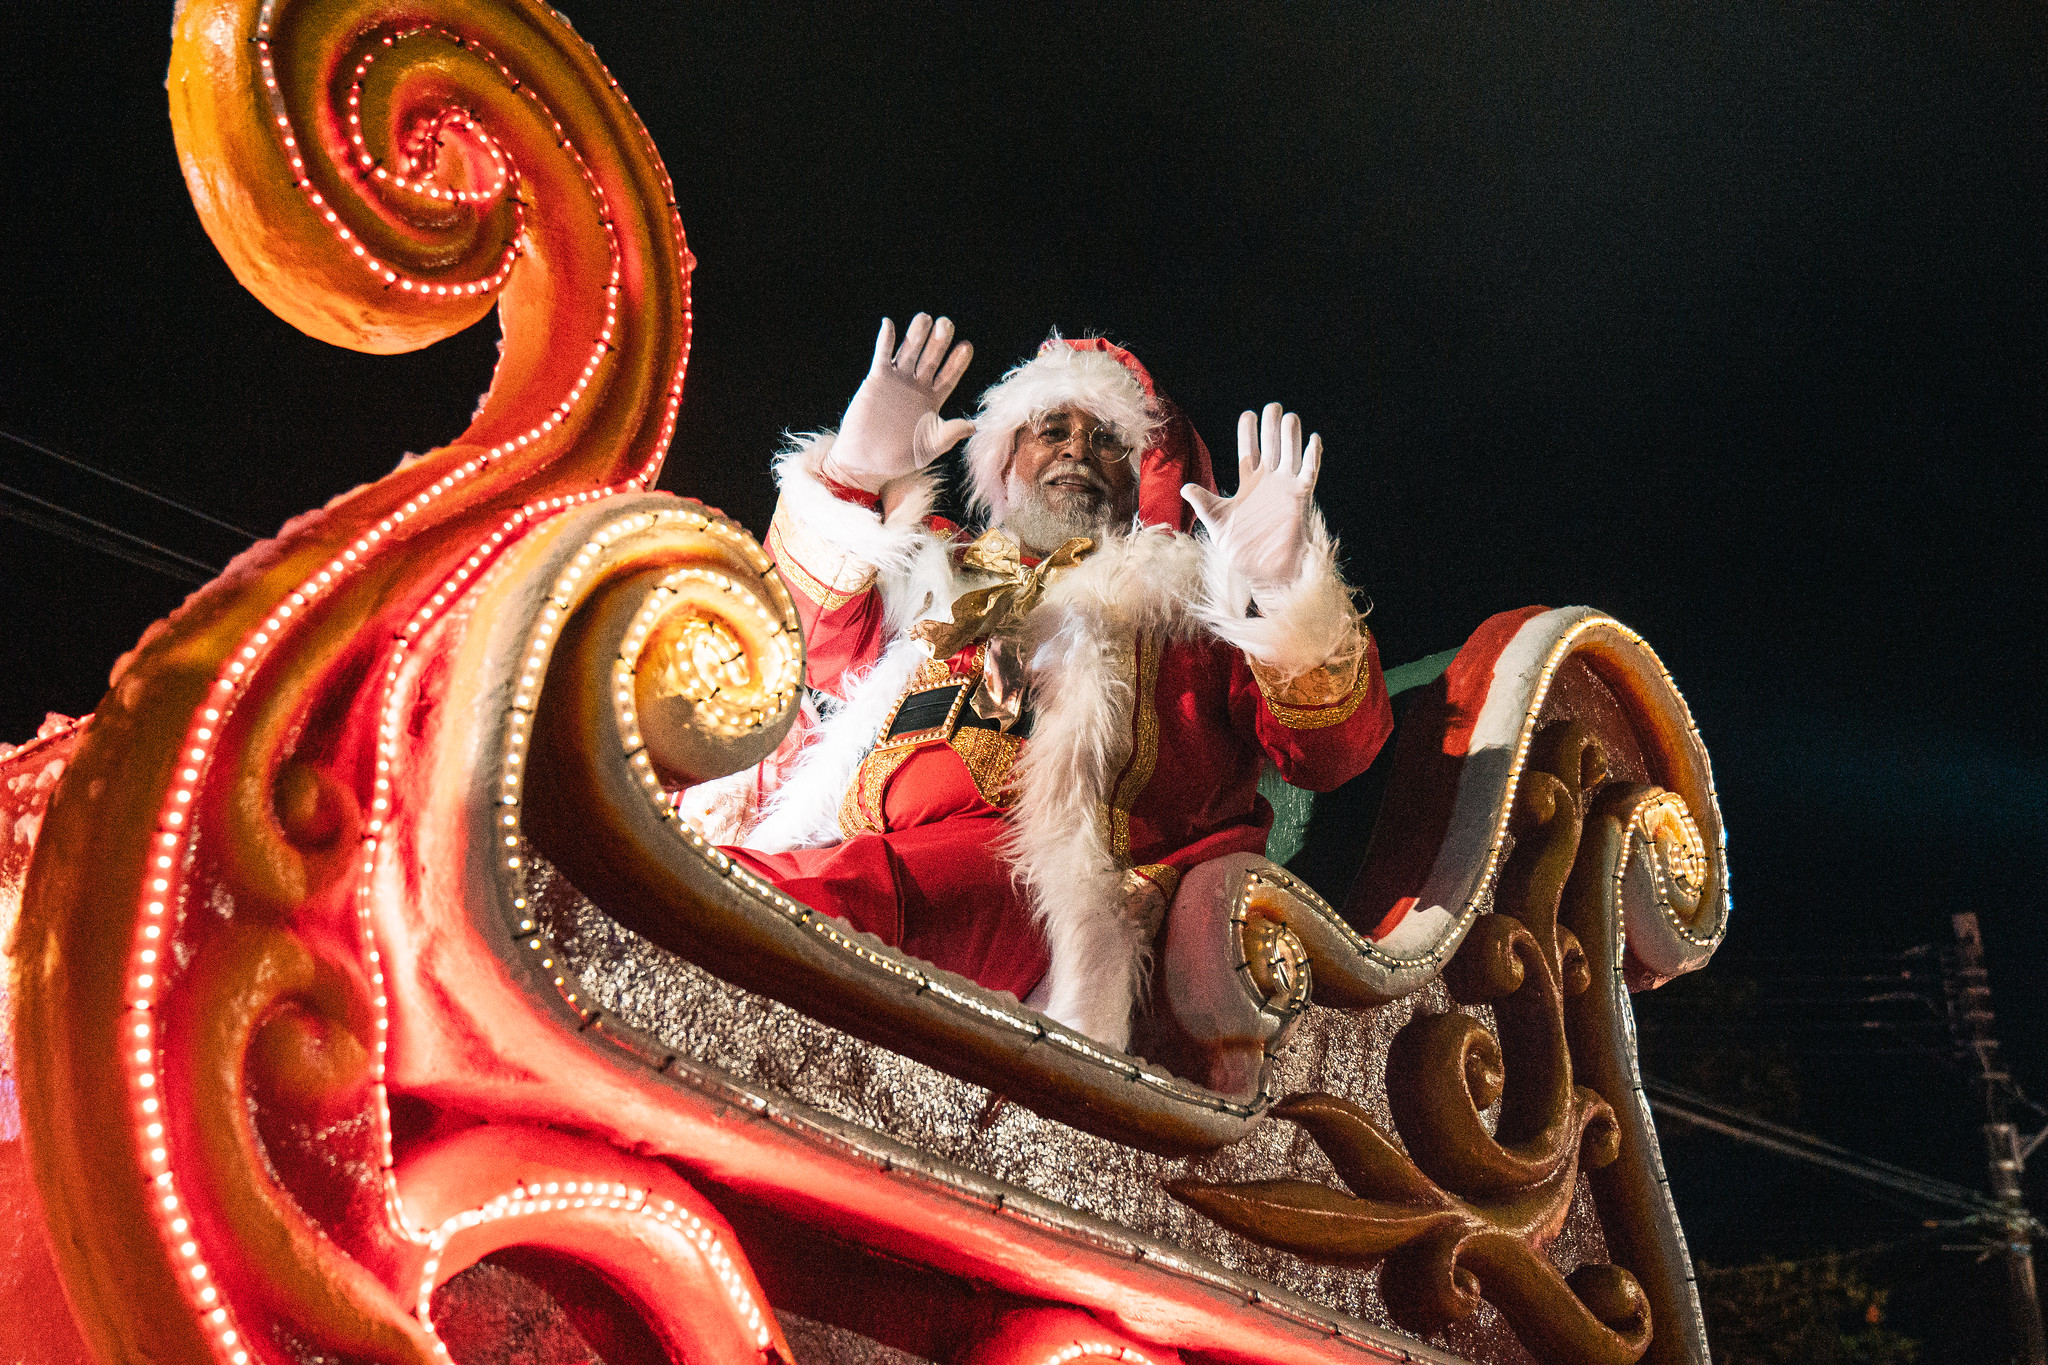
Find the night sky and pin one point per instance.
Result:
(1728, 319)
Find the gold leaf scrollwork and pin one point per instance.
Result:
(1679, 866)
(1456, 1208)
(702, 659)
(1276, 962)
(708, 672)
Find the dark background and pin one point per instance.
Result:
(1727, 318)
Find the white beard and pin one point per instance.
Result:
(1043, 528)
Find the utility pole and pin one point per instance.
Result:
(1970, 1001)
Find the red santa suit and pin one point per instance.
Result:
(1155, 694)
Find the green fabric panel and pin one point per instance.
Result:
(1291, 807)
(1421, 673)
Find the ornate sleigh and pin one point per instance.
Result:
(368, 1002)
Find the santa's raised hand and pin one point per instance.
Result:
(1263, 528)
(893, 427)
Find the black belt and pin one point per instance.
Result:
(937, 712)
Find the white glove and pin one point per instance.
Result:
(1264, 527)
(893, 427)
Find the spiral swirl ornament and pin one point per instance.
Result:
(1276, 963)
(211, 911)
(713, 663)
(1679, 854)
(378, 174)
(305, 1055)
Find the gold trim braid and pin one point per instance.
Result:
(1137, 775)
(860, 812)
(1166, 878)
(989, 756)
(850, 581)
(1321, 697)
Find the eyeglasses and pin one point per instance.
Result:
(1058, 431)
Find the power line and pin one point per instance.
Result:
(111, 540)
(1847, 963)
(151, 493)
(1933, 1229)
(1695, 1108)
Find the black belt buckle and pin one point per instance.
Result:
(936, 712)
(926, 715)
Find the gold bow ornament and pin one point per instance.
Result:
(1001, 606)
(997, 613)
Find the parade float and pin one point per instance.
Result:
(368, 1000)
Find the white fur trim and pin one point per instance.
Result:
(804, 811)
(886, 543)
(1081, 655)
(1146, 580)
(1092, 380)
(925, 590)
(1302, 626)
(720, 810)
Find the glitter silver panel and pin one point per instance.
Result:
(771, 1046)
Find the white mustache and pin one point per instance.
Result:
(1088, 479)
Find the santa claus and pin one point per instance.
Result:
(1019, 740)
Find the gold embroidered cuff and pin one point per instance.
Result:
(1321, 697)
(789, 546)
(1167, 879)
